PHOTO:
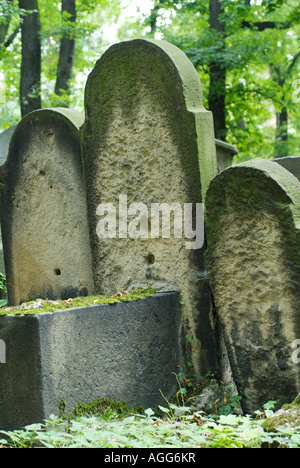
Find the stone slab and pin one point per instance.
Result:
(253, 263)
(125, 351)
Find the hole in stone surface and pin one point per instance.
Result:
(57, 271)
(50, 137)
(150, 259)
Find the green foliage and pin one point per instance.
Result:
(101, 408)
(90, 44)
(254, 93)
(3, 290)
(224, 400)
(262, 63)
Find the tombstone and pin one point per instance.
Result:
(225, 154)
(149, 140)
(253, 263)
(127, 351)
(43, 210)
(291, 163)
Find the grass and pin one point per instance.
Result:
(176, 427)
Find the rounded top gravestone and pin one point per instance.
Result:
(148, 139)
(43, 210)
(253, 262)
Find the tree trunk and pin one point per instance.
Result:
(281, 145)
(30, 86)
(217, 89)
(281, 140)
(67, 50)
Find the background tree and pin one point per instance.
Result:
(50, 31)
(30, 83)
(67, 47)
(234, 44)
(9, 10)
(282, 31)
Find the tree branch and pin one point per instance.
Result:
(263, 25)
(293, 63)
(12, 37)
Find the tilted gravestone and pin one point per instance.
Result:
(43, 209)
(148, 141)
(253, 262)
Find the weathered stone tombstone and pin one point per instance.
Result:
(149, 141)
(43, 209)
(253, 262)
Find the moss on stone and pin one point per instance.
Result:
(59, 305)
(287, 416)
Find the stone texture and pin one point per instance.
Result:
(125, 351)
(147, 135)
(225, 154)
(43, 210)
(253, 262)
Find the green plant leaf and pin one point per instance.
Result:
(149, 412)
(163, 409)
